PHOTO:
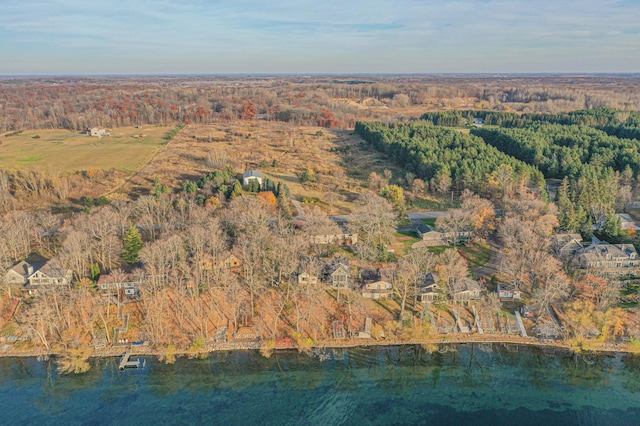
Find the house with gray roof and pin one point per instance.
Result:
(39, 273)
(609, 260)
(250, 175)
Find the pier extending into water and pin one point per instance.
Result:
(125, 363)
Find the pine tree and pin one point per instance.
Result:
(284, 204)
(95, 272)
(268, 185)
(253, 186)
(565, 206)
(132, 244)
(285, 190)
(236, 191)
(612, 226)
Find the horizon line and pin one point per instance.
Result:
(316, 74)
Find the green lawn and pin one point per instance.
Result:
(432, 204)
(403, 241)
(431, 222)
(478, 252)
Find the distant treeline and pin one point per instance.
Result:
(622, 124)
(76, 103)
(438, 154)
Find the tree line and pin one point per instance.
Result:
(78, 103)
(564, 150)
(447, 158)
(618, 123)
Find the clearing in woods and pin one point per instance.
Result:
(281, 151)
(67, 152)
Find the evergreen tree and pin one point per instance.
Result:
(284, 204)
(132, 244)
(95, 272)
(236, 190)
(308, 176)
(189, 187)
(285, 190)
(565, 206)
(268, 185)
(253, 186)
(612, 226)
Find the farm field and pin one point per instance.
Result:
(67, 152)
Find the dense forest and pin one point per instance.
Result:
(622, 124)
(564, 150)
(584, 148)
(447, 158)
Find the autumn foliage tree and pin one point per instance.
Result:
(249, 110)
(599, 291)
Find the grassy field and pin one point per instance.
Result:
(403, 241)
(67, 152)
(477, 253)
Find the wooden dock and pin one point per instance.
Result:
(125, 363)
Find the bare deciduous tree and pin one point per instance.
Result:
(374, 221)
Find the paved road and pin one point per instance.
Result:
(413, 216)
(428, 215)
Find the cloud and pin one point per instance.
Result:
(312, 36)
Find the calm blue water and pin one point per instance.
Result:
(475, 384)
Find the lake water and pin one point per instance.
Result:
(465, 384)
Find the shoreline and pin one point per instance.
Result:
(331, 344)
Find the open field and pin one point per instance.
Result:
(340, 160)
(279, 150)
(67, 152)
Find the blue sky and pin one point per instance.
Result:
(323, 36)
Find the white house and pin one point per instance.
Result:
(430, 236)
(250, 175)
(98, 131)
(508, 292)
(20, 273)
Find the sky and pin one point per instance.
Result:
(51, 37)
